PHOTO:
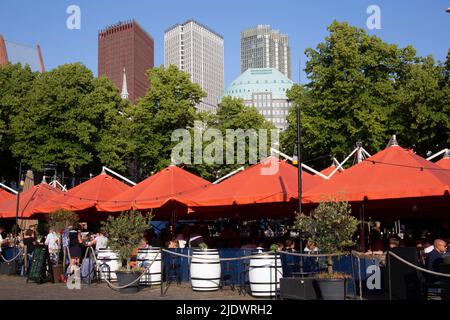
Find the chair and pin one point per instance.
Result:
(228, 275)
(173, 271)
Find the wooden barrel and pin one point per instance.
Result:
(205, 274)
(262, 275)
(108, 262)
(146, 257)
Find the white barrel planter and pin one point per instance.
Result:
(108, 262)
(146, 257)
(205, 270)
(263, 273)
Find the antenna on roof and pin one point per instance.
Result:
(392, 141)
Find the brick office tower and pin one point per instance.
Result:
(126, 51)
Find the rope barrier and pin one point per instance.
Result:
(255, 255)
(315, 255)
(7, 261)
(447, 275)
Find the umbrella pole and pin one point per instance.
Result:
(299, 168)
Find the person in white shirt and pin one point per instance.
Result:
(100, 241)
(53, 243)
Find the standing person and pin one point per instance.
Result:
(75, 246)
(53, 243)
(29, 241)
(376, 237)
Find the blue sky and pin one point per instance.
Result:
(421, 23)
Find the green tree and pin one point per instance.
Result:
(15, 83)
(362, 88)
(125, 233)
(422, 113)
(330, 226)
(169, 104)
(232, 114)
(70, 119)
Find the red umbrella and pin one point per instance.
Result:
(393, 173)
(29, 200)
(86, 195)
(169, 185)
(255, 185)
(444, 163)
(4, 195)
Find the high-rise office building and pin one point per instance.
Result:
(263, 47)
(11, 52)
(197, 50)
(125, 53)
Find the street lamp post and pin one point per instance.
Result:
(18, 196)
(299, 168)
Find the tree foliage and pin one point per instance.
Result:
(362, 88)
(331, 226)
(232, 114)
(62, 218)
(168, 105)
(71, 119)
(125, 232)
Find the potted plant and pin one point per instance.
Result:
(125, 233)
(331, 227)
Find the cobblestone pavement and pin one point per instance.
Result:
(16, 288)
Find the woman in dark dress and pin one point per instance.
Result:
(75, 245)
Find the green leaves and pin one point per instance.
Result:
(71, 119)
(126, 231)
(61, 218)
(168, 105)
(330, 226)
(363, 88)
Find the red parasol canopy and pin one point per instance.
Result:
(257, 184)
(444, 163)
(392, 173)
(5, 195)
(86, 195)
(171, 184)
(29, 200)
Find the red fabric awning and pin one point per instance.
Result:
(444, 163)
(392, 173)
(171, 184)
(29, 200)
(86, 195)
(257, 184)
(5, 195)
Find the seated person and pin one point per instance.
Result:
(435, 258)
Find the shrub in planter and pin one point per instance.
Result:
(61, 218)
(125, 233)
(331, 227)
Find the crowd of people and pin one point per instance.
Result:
(255, 236)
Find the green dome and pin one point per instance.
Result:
(259, 80)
